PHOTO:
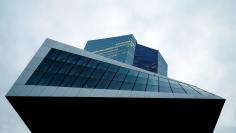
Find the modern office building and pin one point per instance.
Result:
(66, 89)
(126, 49)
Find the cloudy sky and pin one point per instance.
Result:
(196, 37)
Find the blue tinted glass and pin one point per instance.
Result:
(92, 63)
(152, 80)
(44, 65)
(131, 76)
(56, 81)
(91, 83)
(146, 58)
(103, 84)
(115, 85)
(188, 89)
(46, 79)
(151, 87)
(103, 66)
(127, 86)
(176, 87)
(139, 87)
(67, 82)
(55, 67)
(65, 68)
(164, 85)
(73, 59)
(113, 68)
(79, 82)
(142, 78)
(83, 61)
(52, 54)
(34, 79)
(141, 82)
(63, 56)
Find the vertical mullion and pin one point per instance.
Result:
(59, 69)
(90, 75)
(101, 77)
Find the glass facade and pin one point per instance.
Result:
(125, 49)
(118, 48)
(149, 59)
(65, 69)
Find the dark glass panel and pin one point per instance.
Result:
(176, 87)
(164, 85)
(67, 82)
(151, 87)
(115, 85)
(103, 84)
(73, 59)
(58, 78)
(46, 79)
(52, 54)
(44, 65)
(34, 79)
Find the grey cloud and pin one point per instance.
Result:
(197, 38)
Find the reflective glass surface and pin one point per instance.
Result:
(65, 69)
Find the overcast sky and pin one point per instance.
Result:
(196, 37)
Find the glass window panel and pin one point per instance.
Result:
(152, 80)
(115, 85)
(92, 63)
(151, 87)
(65, 68)
(141, 80)
(144, 75)
(34, 79)
(164, 89)
(119, 77)
(56, 81)
(127, 86)
(83, 61)
(73, 59)
(113, 68)
(44, 65)
(123, 70)
(55, 67)
(103, 66)
(63, 56)
(67, 82)
(76, 70)
(98, 73)
(52, 54)
(87, 72)
(79, 82)
(91, 83)
(139, 87)
(46, 79)
(103, 84)
(108, 75)
(188, 89)
(176, 87)
(164, 85)
(131, 76)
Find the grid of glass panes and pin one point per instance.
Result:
(65, 69)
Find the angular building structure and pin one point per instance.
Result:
(126, 49)
(66, 89)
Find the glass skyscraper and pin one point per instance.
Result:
(66, 89)
(126, 49)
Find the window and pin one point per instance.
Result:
(176, 87)
(152, 84)
(164, 85)
(140, 84)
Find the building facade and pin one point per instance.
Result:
(66, 89)
(126, 49)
